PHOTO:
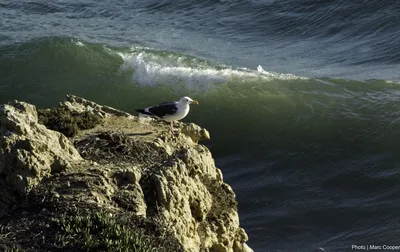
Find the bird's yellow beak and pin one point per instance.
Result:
(195, 102)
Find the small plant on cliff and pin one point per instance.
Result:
(100, 232)
(67, 122)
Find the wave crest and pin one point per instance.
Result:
(155, 68)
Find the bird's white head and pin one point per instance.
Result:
(187, 100)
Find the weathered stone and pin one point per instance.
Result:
(195, 132)
(28, 151)
(127, 176)
(129, 166)
(78, 104)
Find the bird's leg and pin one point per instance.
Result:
(172, 128)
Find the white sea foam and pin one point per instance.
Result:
(155, 69)
(392, 82)
(280, 76)
(78, 43)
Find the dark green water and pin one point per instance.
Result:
(308, 158)
(312, 157)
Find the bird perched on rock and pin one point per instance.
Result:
(170, 111)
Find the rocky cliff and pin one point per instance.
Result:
(88, 177)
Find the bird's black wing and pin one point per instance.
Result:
(165, 108)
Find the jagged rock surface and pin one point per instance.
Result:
(127, 165)
(78, 104)
(28, 151)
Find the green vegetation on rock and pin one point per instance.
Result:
(101, 232)
(51, 226)
(67, 122)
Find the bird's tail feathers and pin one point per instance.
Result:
(142, 111)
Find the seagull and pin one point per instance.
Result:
(170, 111)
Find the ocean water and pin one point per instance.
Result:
(301, 98)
